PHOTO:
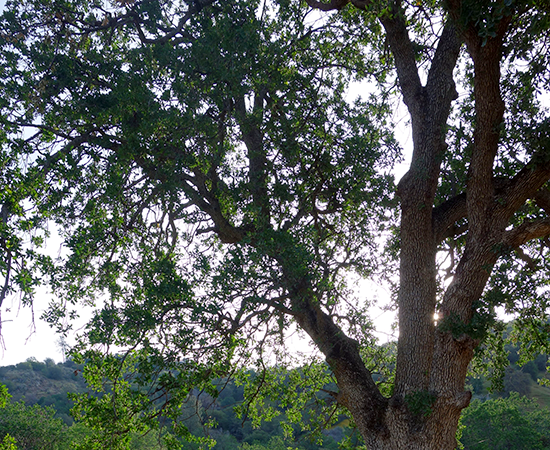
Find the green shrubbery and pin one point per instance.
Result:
(514, 422)
(509, 421)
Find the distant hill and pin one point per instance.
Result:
(47, 384)
(44, 383)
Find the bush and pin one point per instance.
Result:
(516, 381)
(54, 372)
(506, 423)
(32, 427)
(531, 369)
(540, 362)
(8, 443)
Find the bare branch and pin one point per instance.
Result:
(7, 276)
(525, 257)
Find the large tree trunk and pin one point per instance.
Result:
(432, 359)
(429, 395)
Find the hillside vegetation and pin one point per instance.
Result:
(40, 408)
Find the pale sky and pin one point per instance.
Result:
(21, 340)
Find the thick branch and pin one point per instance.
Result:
(330, 6)
(257, 158)
(440, 85)
(526, 232)
(446, 54)
(489, 107)
(446, 215)
(357, 390)
(195, 187)
(405, 61)
(455, 208)
(227, 233)
(429, 108)
(542, 199)
(527, 184)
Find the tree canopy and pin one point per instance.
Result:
(214, 187)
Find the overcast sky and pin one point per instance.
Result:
(21, 340)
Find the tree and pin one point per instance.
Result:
(213, 188)
(513, 422)
(516, 381)
(8, 443)
(63, 347)
(32, 427)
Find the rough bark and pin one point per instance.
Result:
(432, 361)
(429, 108)
(253, 139)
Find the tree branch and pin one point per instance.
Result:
(455, 208)
(331, 6)
(195, 187)
(357, 390)
(5, 214)
(118, 21)
(401, 46)
(447, 214)
(257, 158)
(526, 258)
(227, 233)
(489, 107)
(542, 199)
(405, 60)
(526, 232)
(172, 33)
(440, 84)
(527, 184)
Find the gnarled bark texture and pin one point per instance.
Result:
(432, 363)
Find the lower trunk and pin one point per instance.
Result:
(423, 419)
(431, 429)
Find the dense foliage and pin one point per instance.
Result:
(514, 422)
(36, 396)
(215, 190)
(172, 133)
(32, 427)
